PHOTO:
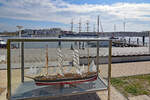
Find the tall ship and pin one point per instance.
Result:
(80, 74)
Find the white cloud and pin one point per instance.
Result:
(60, 11)
(7, 27)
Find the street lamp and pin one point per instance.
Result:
(21, 53)
(19, 27)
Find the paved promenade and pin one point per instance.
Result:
(118, 70)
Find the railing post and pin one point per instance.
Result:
(143, 40)
(22, 62)
(109, 68)
(149, 43)
(8, 96)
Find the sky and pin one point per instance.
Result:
(44, 14)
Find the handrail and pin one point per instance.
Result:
(55, 39)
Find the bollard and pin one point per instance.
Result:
(83, 45)
(129, 41)
(143, 39)
(71, 48)
(137, 41)
(59, 43)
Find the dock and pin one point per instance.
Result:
(125, 44)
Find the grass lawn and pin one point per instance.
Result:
(132, 85)
(1, 90)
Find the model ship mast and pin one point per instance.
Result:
(76, 60)
(60, 61)
(46, 65)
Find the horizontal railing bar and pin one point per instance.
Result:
(55, 39)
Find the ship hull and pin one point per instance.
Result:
(40, 83)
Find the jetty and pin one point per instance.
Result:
(125, 44)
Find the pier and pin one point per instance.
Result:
(117, 43)
(108, 34)
(125, 44)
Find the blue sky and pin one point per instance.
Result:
(105, 1)
(39, 14)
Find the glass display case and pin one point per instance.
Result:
(52, 67)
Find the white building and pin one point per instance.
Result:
(52, 32)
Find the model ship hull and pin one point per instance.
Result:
(61, 81)
(67, 78)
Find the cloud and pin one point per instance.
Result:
(63, 12)
(7, 27)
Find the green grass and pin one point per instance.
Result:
(132, 85)
(117, 82)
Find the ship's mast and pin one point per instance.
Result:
(46, 65)
(72, 25)
(88, 60)
(87, 26)
(80, 25)
(101, 25)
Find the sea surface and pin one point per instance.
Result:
(73, 44)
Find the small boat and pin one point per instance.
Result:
(61, 77)
(3, 44)
(113, 38)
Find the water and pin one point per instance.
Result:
(44, 44)
(69, 44)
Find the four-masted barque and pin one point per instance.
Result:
(80, 74)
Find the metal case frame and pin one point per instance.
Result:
(22, 40)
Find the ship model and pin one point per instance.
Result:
(80, 74)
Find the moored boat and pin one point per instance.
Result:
(3, 44)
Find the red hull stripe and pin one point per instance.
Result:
(61, 83)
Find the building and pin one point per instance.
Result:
(52, 32)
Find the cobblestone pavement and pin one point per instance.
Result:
(118, 70)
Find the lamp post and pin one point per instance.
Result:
(21, 54)
(19, 28)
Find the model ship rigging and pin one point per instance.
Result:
(79, 75)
